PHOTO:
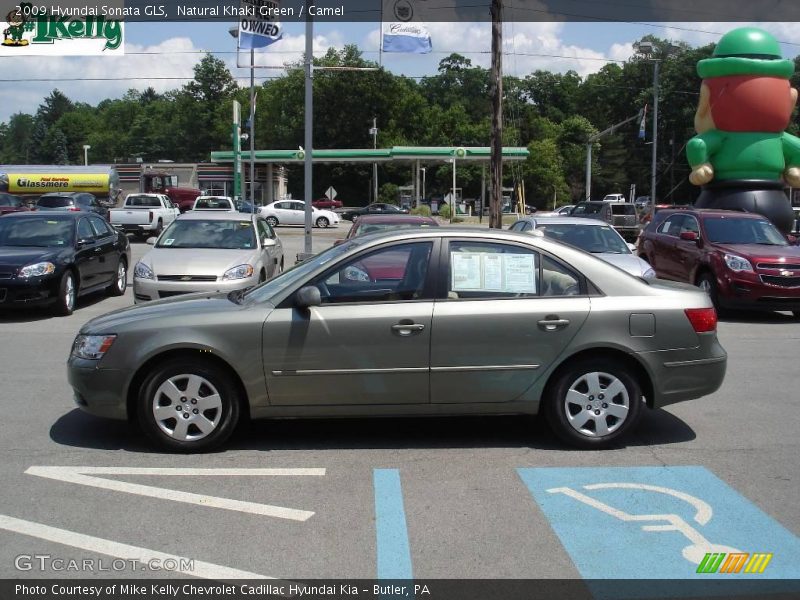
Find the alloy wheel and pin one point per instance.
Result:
(597, 404)
(187, 407)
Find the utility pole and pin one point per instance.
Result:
(496, 93)
(309, 134)
(374, 133)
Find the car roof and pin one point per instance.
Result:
(565, 221)
(399, 218)
(51, 215)
(211, 215)
(62, 194)
(712, 212)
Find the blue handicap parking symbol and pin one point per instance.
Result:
(661, 523)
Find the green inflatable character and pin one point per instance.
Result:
(742, 155)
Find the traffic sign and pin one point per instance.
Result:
(330, 193)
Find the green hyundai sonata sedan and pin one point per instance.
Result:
(430, 322)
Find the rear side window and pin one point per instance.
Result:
(54, 201)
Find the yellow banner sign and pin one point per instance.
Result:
(41, 183)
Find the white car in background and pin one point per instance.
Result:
(218, 203)
(208, 251)
(590, 235)
(293, 212)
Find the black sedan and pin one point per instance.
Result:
(377, 208)
(51, 258)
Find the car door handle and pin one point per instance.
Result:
(553, 323)
(406, 329)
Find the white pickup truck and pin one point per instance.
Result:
(144, 214)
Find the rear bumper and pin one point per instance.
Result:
(686, 374)
(132, 228)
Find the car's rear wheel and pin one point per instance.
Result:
(273, 221)
(323, 222)
(67, 294)
(188, 405)
(120, 284)
(593, 403)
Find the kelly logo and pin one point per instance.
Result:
(34, 30)
(734, 562)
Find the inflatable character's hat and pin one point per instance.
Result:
(746, 51)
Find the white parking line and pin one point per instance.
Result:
(203, 570)
(83, 476)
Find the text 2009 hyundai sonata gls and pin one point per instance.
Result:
(428, 322)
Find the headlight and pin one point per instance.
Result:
(737, 263)
(37, 270)
(649, 273)
(142, 271)
(238, 272)
(92, 347)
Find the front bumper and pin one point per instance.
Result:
(19, 293)
(751, 291)
(145, 290)
(100, 392)
(686, 374)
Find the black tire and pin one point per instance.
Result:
(120, 283)
(796, 314)
(708, 282)
(64, 307)
(224, 418)
(323, 222)
(273, 221)
(566, 419)
(262, 277)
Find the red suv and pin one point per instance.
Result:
(740, 259)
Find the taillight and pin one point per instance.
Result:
(74, 209)
(151, 216)
(703, 320)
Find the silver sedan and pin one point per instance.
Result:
(207, 251)
(431, 322)
(590, 235)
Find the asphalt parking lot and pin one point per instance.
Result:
(428, 498)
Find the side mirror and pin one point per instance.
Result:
(151, 241)
(689, 236)
(632, 247)
(84, 242)
(308, 296)
(267, 243)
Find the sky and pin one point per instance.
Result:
(162, 55)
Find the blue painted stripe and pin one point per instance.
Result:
(394, 554)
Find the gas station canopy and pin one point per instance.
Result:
(395, 153)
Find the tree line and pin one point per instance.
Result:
(552, 114)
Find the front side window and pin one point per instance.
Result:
(100, 227)
(383, 275)
(85, 231)
(672, 226)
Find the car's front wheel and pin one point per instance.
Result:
(323, 222)
(67, 294)
(120, 284)
(273, 221)
(188, 405)
(593, 403)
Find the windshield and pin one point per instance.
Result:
(587, 209)
(590, 238)
(229, 235)
(36, 232)
(727, 230)
(9, 201)
(297, 273)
